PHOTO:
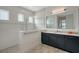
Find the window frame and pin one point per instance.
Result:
(21, 17)
(5, 12)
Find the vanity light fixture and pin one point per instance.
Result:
(60, 10)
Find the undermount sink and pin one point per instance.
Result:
(71, 32)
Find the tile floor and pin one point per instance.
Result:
(47, 49)
(40, 49)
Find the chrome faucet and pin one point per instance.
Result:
(57, 30)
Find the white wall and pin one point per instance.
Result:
(70, 21)
(76, 20)
(9, 30)
(40, 19)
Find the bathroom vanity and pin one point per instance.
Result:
(64, 41)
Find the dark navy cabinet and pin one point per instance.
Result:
(65, 42)
(72, 44)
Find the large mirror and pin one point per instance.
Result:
(51, 21)
(65, 21)
(60, 21)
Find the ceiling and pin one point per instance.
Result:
(37, 8)
(34, 8)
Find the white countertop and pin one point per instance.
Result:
(63, 33)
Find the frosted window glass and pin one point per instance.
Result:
(20, 17)
(39, 23)
(63, 24)
(30, 19)
(4, 14)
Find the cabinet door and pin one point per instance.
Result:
(44, 38)
(60, 41)
(53, 40)
(57, 40)
(72, 44)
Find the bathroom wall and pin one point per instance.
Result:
(70, 21)
(76, 21)
(9, 30)
(74, 11)
(40, 19)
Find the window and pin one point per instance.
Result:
(30, 23)
(30, 19)
(20, 17)
(39, 23)
(62, 22)
(4, 14)
(50, 21)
